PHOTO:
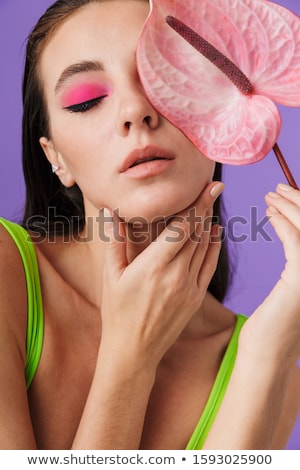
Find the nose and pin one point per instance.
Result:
(136, 112)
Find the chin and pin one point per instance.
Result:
(153, 209)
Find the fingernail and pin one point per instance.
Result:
(285, 187)
(273, 210)
(274, 195)
(217, 190)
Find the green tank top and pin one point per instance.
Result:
(218, 391)
(35, 330)
(35, 320)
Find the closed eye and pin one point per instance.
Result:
(85, 106)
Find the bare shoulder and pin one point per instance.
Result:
(13, 293)
(15, 430)
(290, 411)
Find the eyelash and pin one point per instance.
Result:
(85, 106)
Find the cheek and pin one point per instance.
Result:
(75, 142)
(204, 167)
(81, 131)
(197, 166)
(200, 168)
(87, 165)
(209, 166)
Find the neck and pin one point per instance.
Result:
(140, 236)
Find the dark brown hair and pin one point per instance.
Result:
(47, 200)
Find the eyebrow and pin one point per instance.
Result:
(74, 69)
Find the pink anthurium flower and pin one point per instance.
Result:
(214, 68)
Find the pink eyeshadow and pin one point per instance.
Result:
(85, 92)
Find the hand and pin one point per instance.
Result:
(273, 330)
(146, 304)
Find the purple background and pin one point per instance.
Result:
(258, 262)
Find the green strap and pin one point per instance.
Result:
(218, 391)
(35, 320)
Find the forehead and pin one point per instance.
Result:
(96, 31)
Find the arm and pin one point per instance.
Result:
(114, 414)
(290, 411)
(16, 429)
(253, 406)
(269, 348)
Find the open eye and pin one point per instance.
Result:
(85, 106)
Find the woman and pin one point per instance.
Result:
(129, 332)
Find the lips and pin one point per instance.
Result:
(144, 155)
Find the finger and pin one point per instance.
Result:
(288, 192)
(201, 243)
(195, 242)
(287, 203)
(210, 262)
(194, 250)
(197, 212)
(287, 233)
(179, 230)
(191, 255)
(115, 258)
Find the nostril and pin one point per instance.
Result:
(147, 120)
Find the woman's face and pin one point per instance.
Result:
(103, 130)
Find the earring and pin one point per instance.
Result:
(54, 168)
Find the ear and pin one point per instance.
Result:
(55, 158)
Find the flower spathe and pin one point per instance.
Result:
(260, 37)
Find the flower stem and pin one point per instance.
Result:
(284, 166)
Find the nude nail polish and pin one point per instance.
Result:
(217, 190)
